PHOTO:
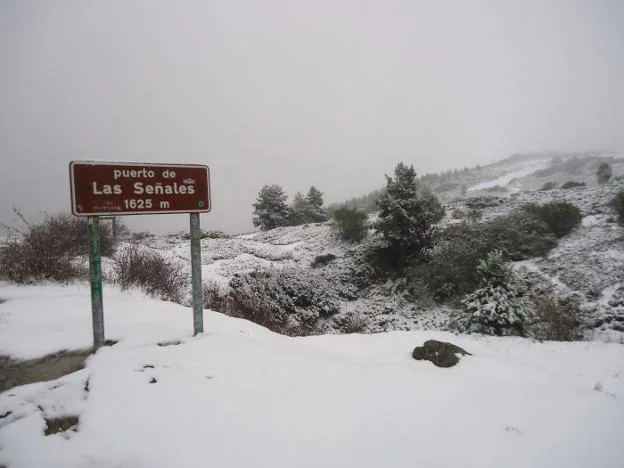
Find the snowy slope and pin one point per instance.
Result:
(511, 173)
(524, 172)
(296, 247)
(589, 261)
(242, 396)
(36, 321)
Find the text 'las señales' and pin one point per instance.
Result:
(134, 188)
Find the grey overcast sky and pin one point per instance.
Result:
(325, 92)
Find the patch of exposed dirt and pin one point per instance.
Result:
(51, 367)
(170, 343)
(14, 373)
(56, 425)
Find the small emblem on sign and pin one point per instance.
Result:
(188, 181)
(200, 204)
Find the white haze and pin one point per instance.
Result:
(330, 93)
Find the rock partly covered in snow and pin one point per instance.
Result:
(440, 353)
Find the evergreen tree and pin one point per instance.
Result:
(604, 173)
(407, 215)
(317, 213)
(301, 210)
(498, 307)
(270, 209)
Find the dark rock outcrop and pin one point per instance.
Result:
(441, 353)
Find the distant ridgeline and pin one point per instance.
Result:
(454, 183)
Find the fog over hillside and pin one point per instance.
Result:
(331, 94)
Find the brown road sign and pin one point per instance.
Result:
(124, 188)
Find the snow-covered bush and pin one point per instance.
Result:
(604, 173)
(548, 186)
(561, 217)
(451, 270)
(48, 250)
(322, 260)
(209, 235)
(287, 301)
(520, 235)
(618, 205)
(407, 215)
(141, 267)
(485, 202)
(556, 318)
(353, 323)
(474, 214)
(498, 307)
(349, 223)
(357, 270)
(573, 184)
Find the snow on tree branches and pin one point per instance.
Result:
(408, 214)
(270, 209)
(498, 307)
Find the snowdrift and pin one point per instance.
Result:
(240, 396)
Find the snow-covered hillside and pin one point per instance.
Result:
(588, 263)
(523, 172)
(296, 248)
(511, 173)
(240, 395)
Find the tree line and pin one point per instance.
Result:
(271, 209)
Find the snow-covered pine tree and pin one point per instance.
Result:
(498, 307)
(407, 214)
(270, 209)
(317, 213)
(301, 210)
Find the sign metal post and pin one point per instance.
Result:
(196, 273)
(100, 188)
(95, 274)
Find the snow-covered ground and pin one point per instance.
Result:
(240, 395)
(527, 172)
(516, 172)
(589, 261)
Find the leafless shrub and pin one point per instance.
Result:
(276, 300)
(48, 250)
(141, 236)
(355, 323)
(245, 307)
(215, 298)
(24, 261)
(150, 271)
